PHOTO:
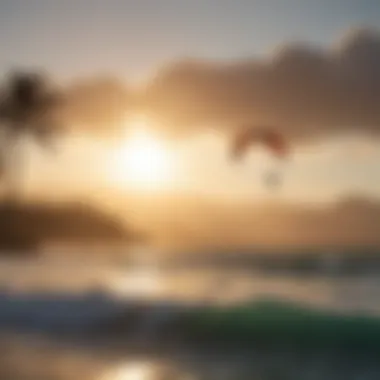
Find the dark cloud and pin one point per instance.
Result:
(307, 90)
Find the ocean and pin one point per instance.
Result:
(85, 319)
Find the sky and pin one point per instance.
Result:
(134, 39)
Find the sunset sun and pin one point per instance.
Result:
(141, 159)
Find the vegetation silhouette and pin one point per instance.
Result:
(27, 112)
(26, 227)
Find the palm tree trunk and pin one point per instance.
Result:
(13, 170)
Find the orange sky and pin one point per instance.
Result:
(202, 165)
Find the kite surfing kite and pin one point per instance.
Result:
(267, 137)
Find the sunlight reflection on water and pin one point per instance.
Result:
(141, 283)
(131, 371)
(144, 370)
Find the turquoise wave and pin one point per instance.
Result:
(277, 323)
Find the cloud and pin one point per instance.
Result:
(309, 91)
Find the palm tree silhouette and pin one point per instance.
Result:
(26, 112)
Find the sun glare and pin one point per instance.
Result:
(141, 160)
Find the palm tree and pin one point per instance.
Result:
(26, 111)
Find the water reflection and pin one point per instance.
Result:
(132, 371)
(145, 282)
(25, 359)
(146, 370)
